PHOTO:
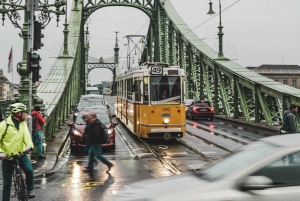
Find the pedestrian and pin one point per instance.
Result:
(37, 134)
(94, 140)
(14, 136)
(290, 126)
(85, 118)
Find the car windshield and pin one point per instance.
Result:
(188, 102)
(83, 104)
(104, 118)
(243, 157)
(205, 104)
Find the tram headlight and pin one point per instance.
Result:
(166, 121)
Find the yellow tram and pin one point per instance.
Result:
(150, 100)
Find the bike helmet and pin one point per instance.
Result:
(17, 107)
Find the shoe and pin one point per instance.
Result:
(31, 194)
(42, 157)
(109, 168)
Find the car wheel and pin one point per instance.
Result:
(211, 118)
(113, 148)
(73, 149)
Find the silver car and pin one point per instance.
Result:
(266, 170)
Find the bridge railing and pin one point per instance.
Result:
(65, 80)
(234, 90)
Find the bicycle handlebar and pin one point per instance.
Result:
(17, 155)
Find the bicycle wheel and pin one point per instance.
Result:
(23, 191)
(20, 188)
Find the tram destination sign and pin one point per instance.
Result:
(156, 70)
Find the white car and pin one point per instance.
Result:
(266, 170)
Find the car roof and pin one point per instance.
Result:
(91, 96)
(100, 107)
(94, 111)
(92, 88)
(286, 140)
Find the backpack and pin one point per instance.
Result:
(104, 133)
(34, 122)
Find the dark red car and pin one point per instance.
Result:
(76, 131)
(201, 109)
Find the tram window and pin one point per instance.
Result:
(130, 89)
(169, 85)
(137, 90)
(145, 87)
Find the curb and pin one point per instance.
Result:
(251, 125)
(52, 157)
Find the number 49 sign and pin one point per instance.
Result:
(156, 70)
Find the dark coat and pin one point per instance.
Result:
(94, 133)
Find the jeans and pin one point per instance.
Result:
(95, 151)
(38, 139)
(7, 171)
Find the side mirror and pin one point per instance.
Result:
(115, 123)
(108, 106)
(113, 115)
(70, 124)
(73, 107)
(256, 183)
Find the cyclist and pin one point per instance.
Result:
(15, 138)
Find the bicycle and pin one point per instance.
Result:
(19, 180)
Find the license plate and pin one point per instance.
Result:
(203, 110)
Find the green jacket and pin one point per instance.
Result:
(14, 141)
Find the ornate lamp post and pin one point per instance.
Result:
(87, 47)
(11, 8)
(220, 34)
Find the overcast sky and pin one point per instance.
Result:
(256, 32)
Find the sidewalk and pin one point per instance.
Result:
(252, 124)
(53, 150)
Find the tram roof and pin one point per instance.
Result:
(146, 66)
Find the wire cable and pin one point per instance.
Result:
(141, 27)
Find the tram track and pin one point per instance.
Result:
(216, 133)
(165, 162)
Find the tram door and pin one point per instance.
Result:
(137, 105)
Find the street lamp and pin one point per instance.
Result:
(29, 7)
(220, 34)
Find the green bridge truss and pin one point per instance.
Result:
(234, 90)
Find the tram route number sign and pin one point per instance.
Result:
(156, 70)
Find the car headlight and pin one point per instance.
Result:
(166, 121)
(76, 114)
(76, 132)
(109, 131)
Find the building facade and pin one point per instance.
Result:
(286, 74)
(7, 89)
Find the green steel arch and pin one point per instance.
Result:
(234, 90)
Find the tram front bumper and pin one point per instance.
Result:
(165, 133)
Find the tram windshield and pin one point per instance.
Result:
(165, 90)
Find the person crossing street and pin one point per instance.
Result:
(94, 135)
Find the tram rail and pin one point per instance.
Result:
(165, 162)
